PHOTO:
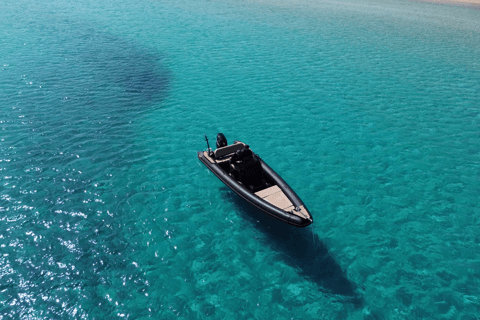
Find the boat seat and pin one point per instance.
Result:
(253, 173)
(223, 151)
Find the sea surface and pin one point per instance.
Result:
(369, 109)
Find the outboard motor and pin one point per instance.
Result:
(221, 141)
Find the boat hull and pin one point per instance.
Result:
(257, 201)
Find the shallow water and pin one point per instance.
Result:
(369, 110)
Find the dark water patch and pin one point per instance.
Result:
(70, 96)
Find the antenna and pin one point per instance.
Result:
(208, 146)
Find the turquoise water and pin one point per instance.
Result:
(369, 110)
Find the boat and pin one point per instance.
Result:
(245, 173)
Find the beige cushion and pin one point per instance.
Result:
(223, 151)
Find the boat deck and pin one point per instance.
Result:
(275, 196)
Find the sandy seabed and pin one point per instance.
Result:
(475, 4)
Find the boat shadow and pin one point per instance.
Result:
(301, 249)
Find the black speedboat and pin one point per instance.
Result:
(252, 179)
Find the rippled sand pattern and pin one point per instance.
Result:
(371, 116)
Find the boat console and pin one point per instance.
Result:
(239, 162)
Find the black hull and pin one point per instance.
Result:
(256, 201)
